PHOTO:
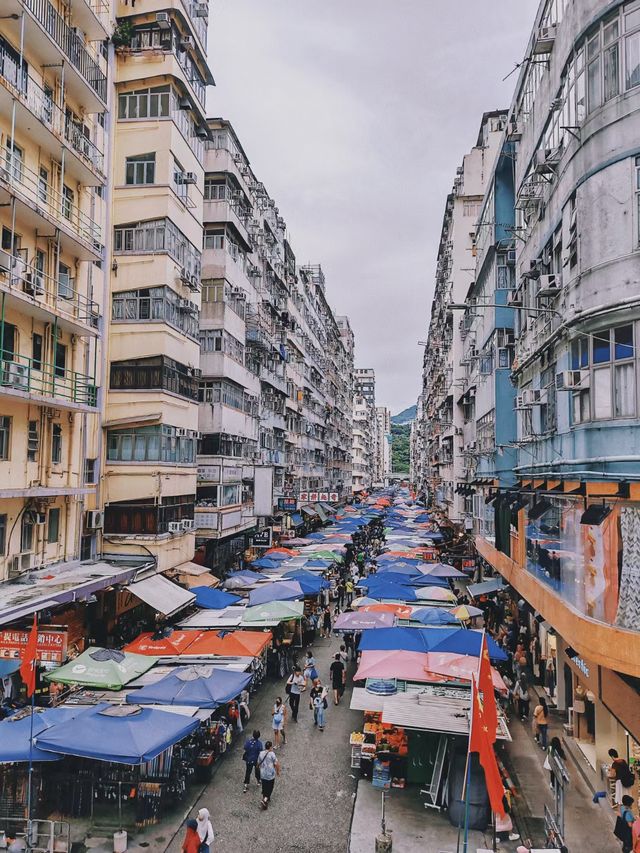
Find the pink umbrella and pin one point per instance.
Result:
(460, 667)
(409, 666)
(360, 621)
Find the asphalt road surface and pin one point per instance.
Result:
(311, 807)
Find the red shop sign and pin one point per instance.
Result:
(52, 644)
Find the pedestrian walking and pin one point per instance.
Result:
(349, 645)
(340, 591)
(278, 717)
(296, 685)
(310, 671)
(320, 705)
(253, 746)
(521, 693)
(205, 831)
(326, 623)
(269, 768)
(343, 654)
(338, 678)
(191, 843)
(541, 722)
(555, 748)
(623, 829)
(349, 588)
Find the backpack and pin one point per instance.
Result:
(626, 776)
(278, 717)
(622, 829)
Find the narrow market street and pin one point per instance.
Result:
(313, 798)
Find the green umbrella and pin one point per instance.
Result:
(327, 555)
(106, 668)
(266, 615)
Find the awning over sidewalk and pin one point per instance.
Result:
(486, 587)
(310, 511)
(320, 512)
(161, 594)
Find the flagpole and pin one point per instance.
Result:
(30, 772)
(465, 786)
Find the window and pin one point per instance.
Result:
(56, 444)
(156, 304)
(90, 471)
(61, 361)
(637, 195)
(5, 437)
(8, 340)
(219, 340)
(140, 169)
(213, 239)
(65, 282)
(144, 103)
(36, 351)
(33, 441)
(40, 266)
(68, 198)
(215, 189)
(26, 532)
(611, 59)
(14, 157)
(608, 358)
(155, 372)
(158, 235)
(3, 535)
(632, 51)
(53, 525)
(43, 185)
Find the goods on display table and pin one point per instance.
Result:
(380, 752)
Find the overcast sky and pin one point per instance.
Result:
(355, 114)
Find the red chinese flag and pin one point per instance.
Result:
(28, 666)
(485, 685)
(479, 742)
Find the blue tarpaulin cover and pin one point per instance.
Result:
(7, 667)
(15, 733)
(454, 640)
(264, 563)
(204, 686)
(213, 599)
(392, 591)
(297, 520)
(278, 591)
(125, 734)
(434, 616)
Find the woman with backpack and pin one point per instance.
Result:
(624, 776)
(278, 715)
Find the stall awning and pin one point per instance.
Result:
(296, 519)
(321, 513)
(433, 713)
(158, 592)
(192, 574)
(484, 588)
(309, 510)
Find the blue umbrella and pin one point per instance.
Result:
(15, 734)
(8, 667)
(303, 574)
(124, 734)
(213, 599)
(277, 591)
(393, 592)
(316, 536)
(434, 616)
(278, 556)
(264, 563)
(199, 686)
(398, 568)
(318, 563)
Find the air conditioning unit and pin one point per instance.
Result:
(188, 523)
(184, 304)
(188, 178)
(15, 375)
(34, 284)
(184, 104)
(21, 563)
(193, 283)
(514, 134)
(163, 20)
(550, 285)
(196, 373)
(515, 298)
(186, 42)
(40, 518)
(94, 519)
(175, 527)
(533, 397)
(572, 379)
(511, 257)
(201, 10)
(545, 39)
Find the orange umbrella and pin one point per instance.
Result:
(175, 643)
(399, 610)
(281, 551)
(235, 643)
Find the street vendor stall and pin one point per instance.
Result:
(97, 667)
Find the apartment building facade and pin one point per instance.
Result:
(448, 394)
(383, 445)
(54, 159)
(275, 373)
(550, 362)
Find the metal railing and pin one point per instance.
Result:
(70, 44)
(40, 836)
(48, 200)
(59, 295)
(42, 106)
(19, 373)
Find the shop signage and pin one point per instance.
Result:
(313, 497)
(324, 496)
(304, 497)
(585, 670)
(52, 644)
(333, 496)
(287, 504)
(262, 539)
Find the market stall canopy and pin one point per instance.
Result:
(279, 553)
(230, 643)
(297, 520)
(452, 640)
(192, 574)
(264, 563)
(171, 643)
(106, 668)
(433, 616)
(401, 611)
(435, 593)
(465, 612)
(433, 713)
(360, 621)
(8, 667)
(273, 613)
(161, 594)
(124, 734)
(276, 591)
(293, 543)
(243, 579)
(441, 570)
(392, 591)
(15, 733)
(304, 574)
(219, 620)
(486, 587)
(460, 667)
(408, 666)
(214, 599)
(200, 686)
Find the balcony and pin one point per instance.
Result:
(54, 128)
(276, 380)
(51, 39)
(35, 294)
(47, 384)
(42, 205)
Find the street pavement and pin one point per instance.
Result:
(311, 807)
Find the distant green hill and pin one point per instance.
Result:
(400, 447)
(405, 417)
